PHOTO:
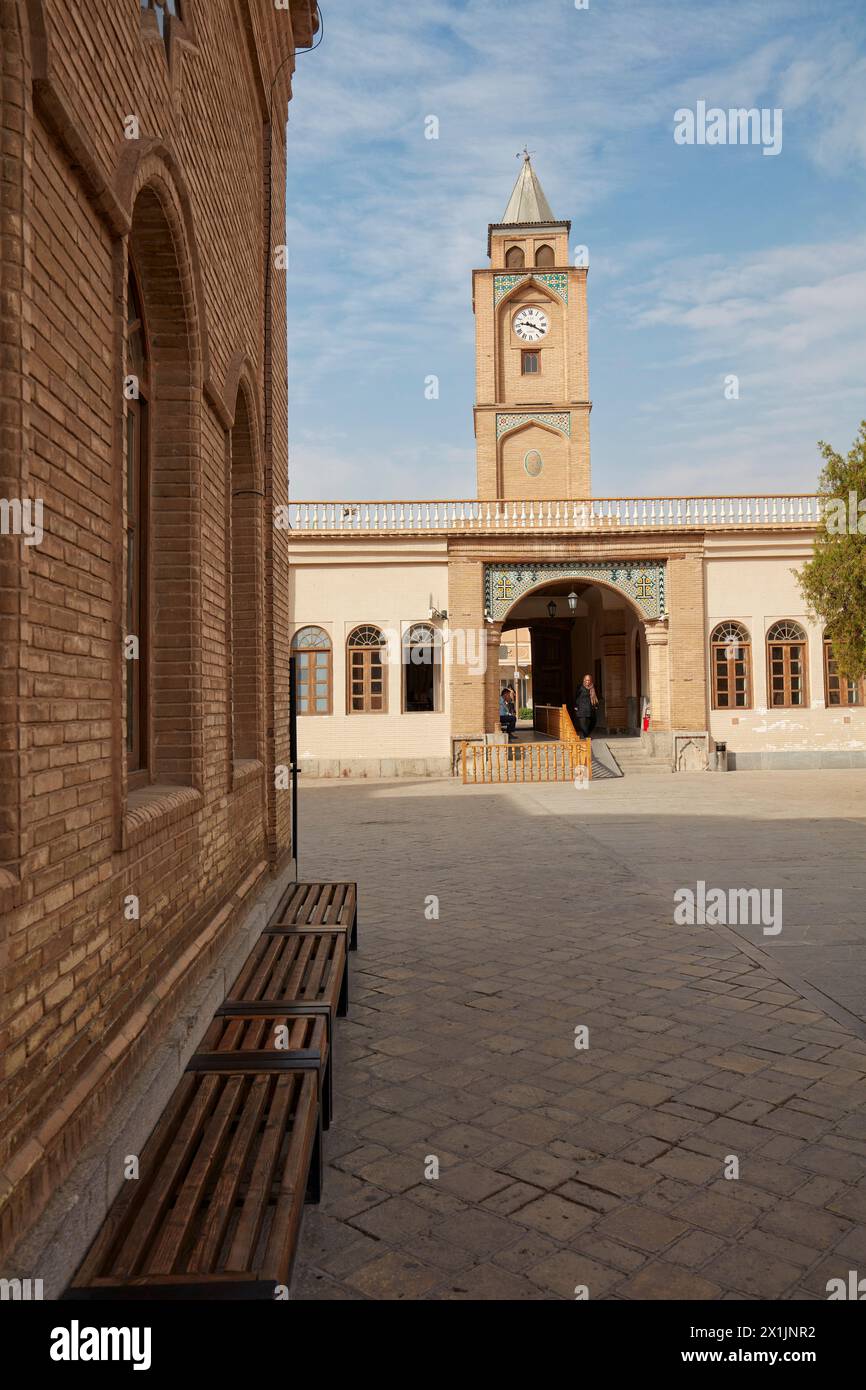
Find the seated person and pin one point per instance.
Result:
(507, 716)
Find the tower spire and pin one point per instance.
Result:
(527, 202)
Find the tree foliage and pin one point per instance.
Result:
(833, 581)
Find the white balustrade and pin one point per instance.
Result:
(573, 514)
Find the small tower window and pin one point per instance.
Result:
(530, 363)
(544, 256)
(514, 258)
(165, 10)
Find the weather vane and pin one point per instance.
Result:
(525, 153)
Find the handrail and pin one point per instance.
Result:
(722, 511)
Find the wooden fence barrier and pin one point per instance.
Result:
(556, 761)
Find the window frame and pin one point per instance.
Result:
(164, 15)
(525, 354)
(847, 702)
(298, 652)
(724, 644)
(137, 547)
(436, 664)
(545, 264)
(786, 644)
(515, 265)
(365, 652)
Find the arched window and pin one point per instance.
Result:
(514, 258)
(731, 661)
(166, 10)
(786, 666)
(311, 648)
(838, 690)
(137, 487)
(245, 583)
(163, 448)
(544, 256)
(422, 665)
(367, 672)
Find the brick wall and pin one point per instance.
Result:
(89, 989)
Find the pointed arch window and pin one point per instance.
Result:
(311, 648)
(166, 11)
(136, 489)
(245, 582)
(515, 258)
(838, 690)
(731, 662)
(367, 672)
(422, 667)
(544, 256)
(787, 654)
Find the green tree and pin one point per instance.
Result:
(833, 582)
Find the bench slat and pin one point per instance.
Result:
(311, 905)
(167, 1250)
(287, 1215)
(225, 1191)
(181, 1129)
(218, 1204)
(247, 1231)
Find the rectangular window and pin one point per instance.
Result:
(531, 363)
(839, 691)
(731, 676)
(366, 681)
(787, 675)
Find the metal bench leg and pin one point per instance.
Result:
(343, 1001)
(314, 1177)
(328, 1093)
(353, 939)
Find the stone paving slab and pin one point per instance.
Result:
(602, 1167)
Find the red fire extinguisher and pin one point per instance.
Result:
(646, 718)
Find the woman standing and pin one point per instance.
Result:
(586, 707)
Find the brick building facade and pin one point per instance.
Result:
(143, 397)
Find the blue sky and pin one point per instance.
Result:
(704, 261)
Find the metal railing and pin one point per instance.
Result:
(571, 514)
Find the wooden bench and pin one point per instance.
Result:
(275, 1039)
(299, 972)
(311, 905)
(216, 1209)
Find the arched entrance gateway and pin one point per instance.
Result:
(608, 620)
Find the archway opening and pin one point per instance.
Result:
(570, 628)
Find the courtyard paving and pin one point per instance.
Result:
(497, 921)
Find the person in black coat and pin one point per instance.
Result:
(585, 707)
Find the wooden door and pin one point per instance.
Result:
(615, 692)
(551, 666)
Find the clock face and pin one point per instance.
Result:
(530, 324)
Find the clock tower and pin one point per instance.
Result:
(532, 369)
